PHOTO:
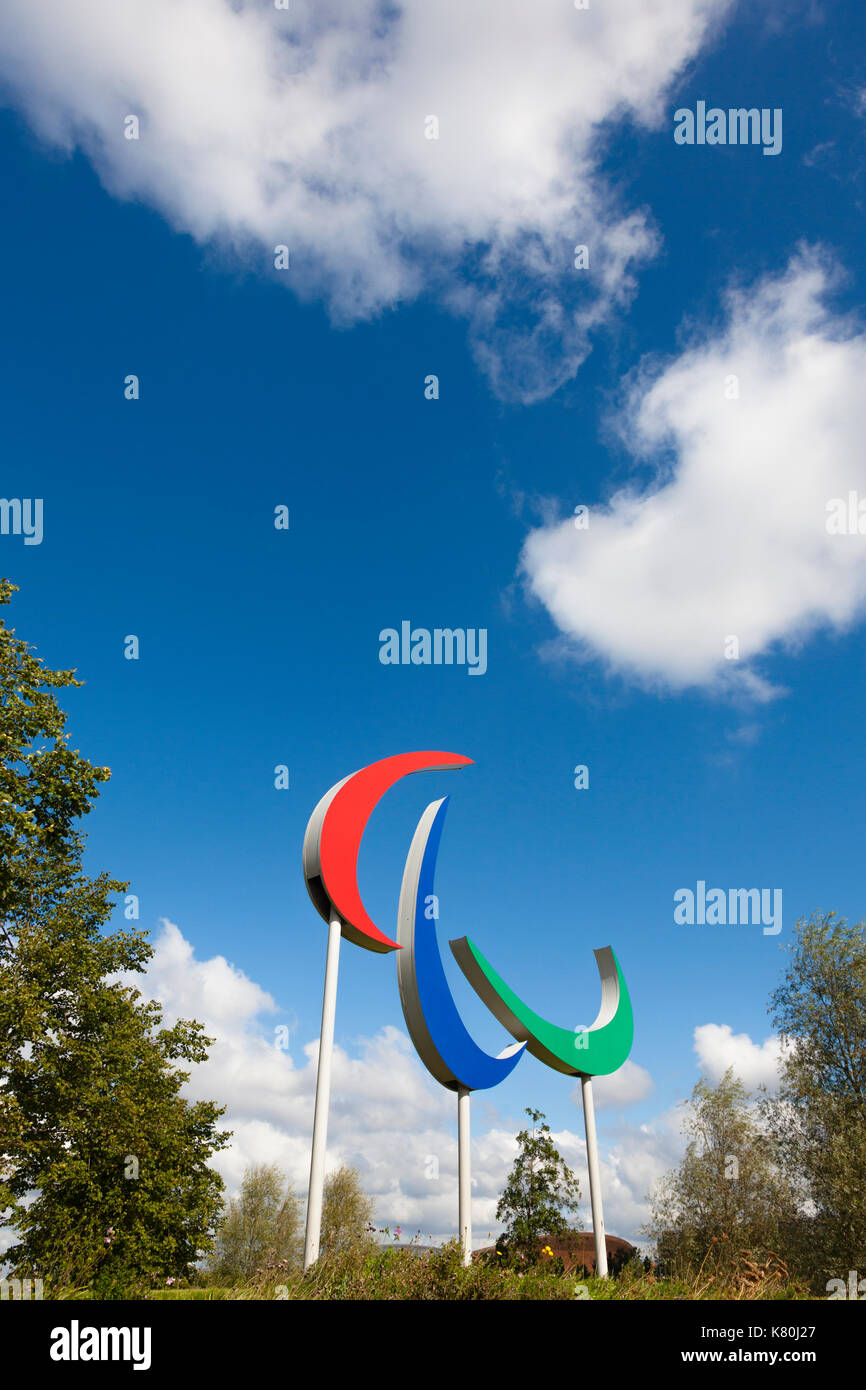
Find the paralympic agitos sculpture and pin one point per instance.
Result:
(330, 858)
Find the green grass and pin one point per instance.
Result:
(198, 1295)
(391, 1274)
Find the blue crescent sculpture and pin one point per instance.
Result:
(445, 1047)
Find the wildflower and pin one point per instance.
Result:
(170, 1279)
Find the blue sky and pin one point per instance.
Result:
(260, 647)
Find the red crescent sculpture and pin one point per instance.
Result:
(333, 839)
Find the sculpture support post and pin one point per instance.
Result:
(464, 1179)
(594, 1177)
(323, 1096)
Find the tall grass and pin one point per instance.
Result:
(404, 1274)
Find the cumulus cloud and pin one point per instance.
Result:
(306, 127)
(625, 1086)
(755, 1064)
(630, 1166)
(388, 1118)
(751, 432)
(382, 1097)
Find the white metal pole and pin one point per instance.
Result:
(464, 1178)
(323, 1097)
(594, 1178)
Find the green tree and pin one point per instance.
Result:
(260, 1232)
(727, 1195)
(346, 1212)
(91, 1115)
(541, 1188)
(818, 1118)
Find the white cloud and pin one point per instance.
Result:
(755, 1064)
(630, 1167)
(730, 538)
(269, 1096)
(189, 988)
(625, 1086)
(388, 1117)
(306, 127)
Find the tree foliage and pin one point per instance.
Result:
(347, 1212)
(92, 1120)
(260, 1232)
(541, 1189)
(818, 1119)
(727, 1196)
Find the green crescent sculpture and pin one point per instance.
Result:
(594, 1051)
